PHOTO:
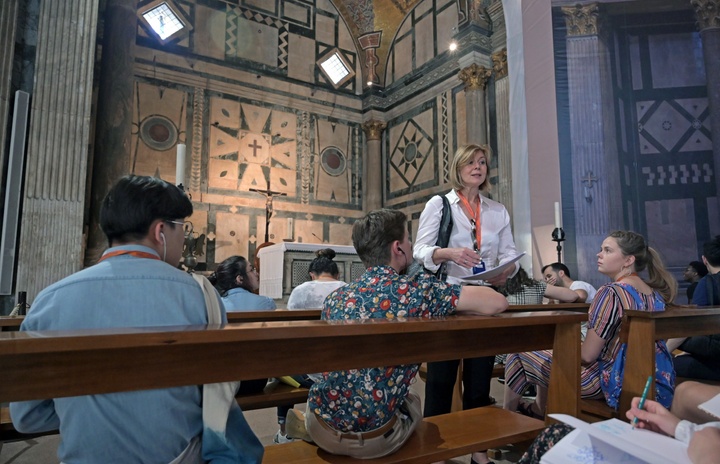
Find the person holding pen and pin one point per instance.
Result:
(703, 439)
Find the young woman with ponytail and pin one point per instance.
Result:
(622, 256)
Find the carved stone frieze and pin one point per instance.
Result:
(373, 129)
(582, 19)
(475, 77)
(707, 13)
(500, 64)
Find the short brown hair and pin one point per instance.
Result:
(373, 234)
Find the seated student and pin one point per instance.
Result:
(686, 423)
(693, 273)
(135, 284)
(523, 289)
(310, 295)
(623, 254)
(324, 280)
(371, 412)
(558, 274)
(237, 281)
(702, 353)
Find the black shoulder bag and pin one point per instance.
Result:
(446, 225)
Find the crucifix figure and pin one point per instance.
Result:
(588, 184)
(269, 194)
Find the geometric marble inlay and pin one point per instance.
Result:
(659, 176)
(673, 126)
(411, 152)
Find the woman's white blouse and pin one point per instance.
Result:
(498, 246)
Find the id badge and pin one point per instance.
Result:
(480, 267)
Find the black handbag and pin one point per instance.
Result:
(446, 225)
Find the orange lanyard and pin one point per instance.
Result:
(137, 254)
(475, 218)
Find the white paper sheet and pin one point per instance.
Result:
(712, 406)
(614, 441)
(490, 273)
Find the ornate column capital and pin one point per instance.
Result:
(373, 129)
(500, 64)
(582, 19)
(475, 77)
(707, 13)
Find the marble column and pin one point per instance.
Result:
(502, 115)
(594, 151)
(373, 164)
(8, 26)
(111, 158)
(708, 16)
(475, 78)
(51, 236)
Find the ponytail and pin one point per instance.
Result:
(660, 278)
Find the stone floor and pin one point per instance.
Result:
(264, 422)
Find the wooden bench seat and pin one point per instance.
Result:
(275, 394)
(436, 439)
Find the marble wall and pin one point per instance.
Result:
(243, 92)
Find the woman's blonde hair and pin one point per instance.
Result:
(463, 156)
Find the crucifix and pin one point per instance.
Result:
(588, 184)
(269, 194)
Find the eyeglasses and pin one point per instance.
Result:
(187, 225)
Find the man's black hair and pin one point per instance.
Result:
(557, 267)
(699, 267)
(711, 251)
(135, 202)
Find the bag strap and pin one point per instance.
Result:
(217, 397)
(446, 224)
(212, 306)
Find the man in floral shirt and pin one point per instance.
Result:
(371, 412)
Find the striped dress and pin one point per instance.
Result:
(604, 318)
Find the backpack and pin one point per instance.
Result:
(446, 225)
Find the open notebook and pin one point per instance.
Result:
(611, 442)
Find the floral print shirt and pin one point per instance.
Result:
(360, 400)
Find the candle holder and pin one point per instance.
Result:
(558, 236)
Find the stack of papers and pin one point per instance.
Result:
(613, 441)
(490, 273)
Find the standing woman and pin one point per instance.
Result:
(623, 254)
(237, 281)
(480, 236)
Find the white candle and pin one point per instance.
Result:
(180, 165)
(558, 220)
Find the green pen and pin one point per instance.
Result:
(642, 398)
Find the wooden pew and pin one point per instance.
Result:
(54, 364)
(436, 439)
(640, 329)
(276, 315)
(8, 323)
(579, 307)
